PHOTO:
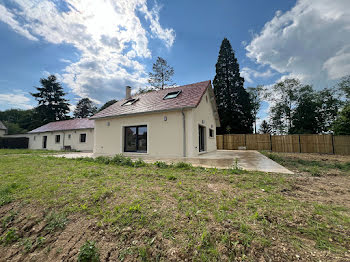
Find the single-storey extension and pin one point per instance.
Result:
(173, 122)
(73, 134)
(3, 129)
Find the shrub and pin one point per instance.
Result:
(161, 164)
(89, 252)
(183, 165)
(103, 160)
(139, 163)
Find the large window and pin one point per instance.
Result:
(135, 139)
(58, 138)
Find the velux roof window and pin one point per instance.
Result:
(129, 102)
(172, 95)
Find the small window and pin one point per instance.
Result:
(58, 138)
(211, 132)
(129, 102)
(69, 136)
(82, 138)
(172, 95)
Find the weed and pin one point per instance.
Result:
(6, 193)
(10, 237)
(139, 163)
(314, 171)
(171, 177)
(39, 242)
(161, 164)
(119, 159)
(56, 221)
(8, 219)
(27, 244)
(183, 165)
(89, 252)
(135, 208)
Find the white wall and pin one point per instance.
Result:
(165, 138)
(36, 140)
(202, 115)
(2, 132)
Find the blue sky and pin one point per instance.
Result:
(97, 47)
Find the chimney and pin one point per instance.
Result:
(128, 92)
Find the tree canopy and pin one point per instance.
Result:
(107, 104)
(52, 106)
(162, 74)
(233, 101)
(85, 108)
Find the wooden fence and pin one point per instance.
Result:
(322, 144)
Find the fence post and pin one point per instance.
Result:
(333, 144)
(245, 140)
(271, 142)
(299, 145)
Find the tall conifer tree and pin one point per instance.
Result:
(234, 106)
(52, 106)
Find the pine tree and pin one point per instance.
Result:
(234, 106)
(85, 108)
(52, 106)
(161, 78)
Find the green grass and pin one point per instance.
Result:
(26, 151)
(313, 167)
(207, 214)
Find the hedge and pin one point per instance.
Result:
(14, 142)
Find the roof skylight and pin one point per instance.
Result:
(129, 102)
(172, 95)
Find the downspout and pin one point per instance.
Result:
(184, 132)
(64, 135)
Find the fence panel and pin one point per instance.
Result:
(285, 143)
(234, 141)
(321, 144)
(220, 142)
(341, 145)
(258, 141)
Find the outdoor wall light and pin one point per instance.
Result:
(108, 123)
(165, 118)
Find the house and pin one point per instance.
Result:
(3, 129)
(174, 122)
(75, 134)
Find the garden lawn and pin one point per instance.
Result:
(56, 209)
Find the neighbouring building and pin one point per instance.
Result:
(73, 134)
(174, 122)
(3, 129)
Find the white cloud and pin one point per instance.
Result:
(15, 100)
(109, 36)
(249, 74)
(310, 41)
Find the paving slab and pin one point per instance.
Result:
(245, 159)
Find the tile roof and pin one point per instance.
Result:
(2, 126)
(189, 97)
(78, 123)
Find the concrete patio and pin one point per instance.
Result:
(245, 159)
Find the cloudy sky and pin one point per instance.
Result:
(96, 47)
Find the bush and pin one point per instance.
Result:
(14, 142)
(103, 160)
(89, 252)
(183, 165)
(139, 163)
(161, 164)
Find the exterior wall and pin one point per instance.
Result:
(2, 132)
(36, 140)
(202, 115)
(164, 138)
